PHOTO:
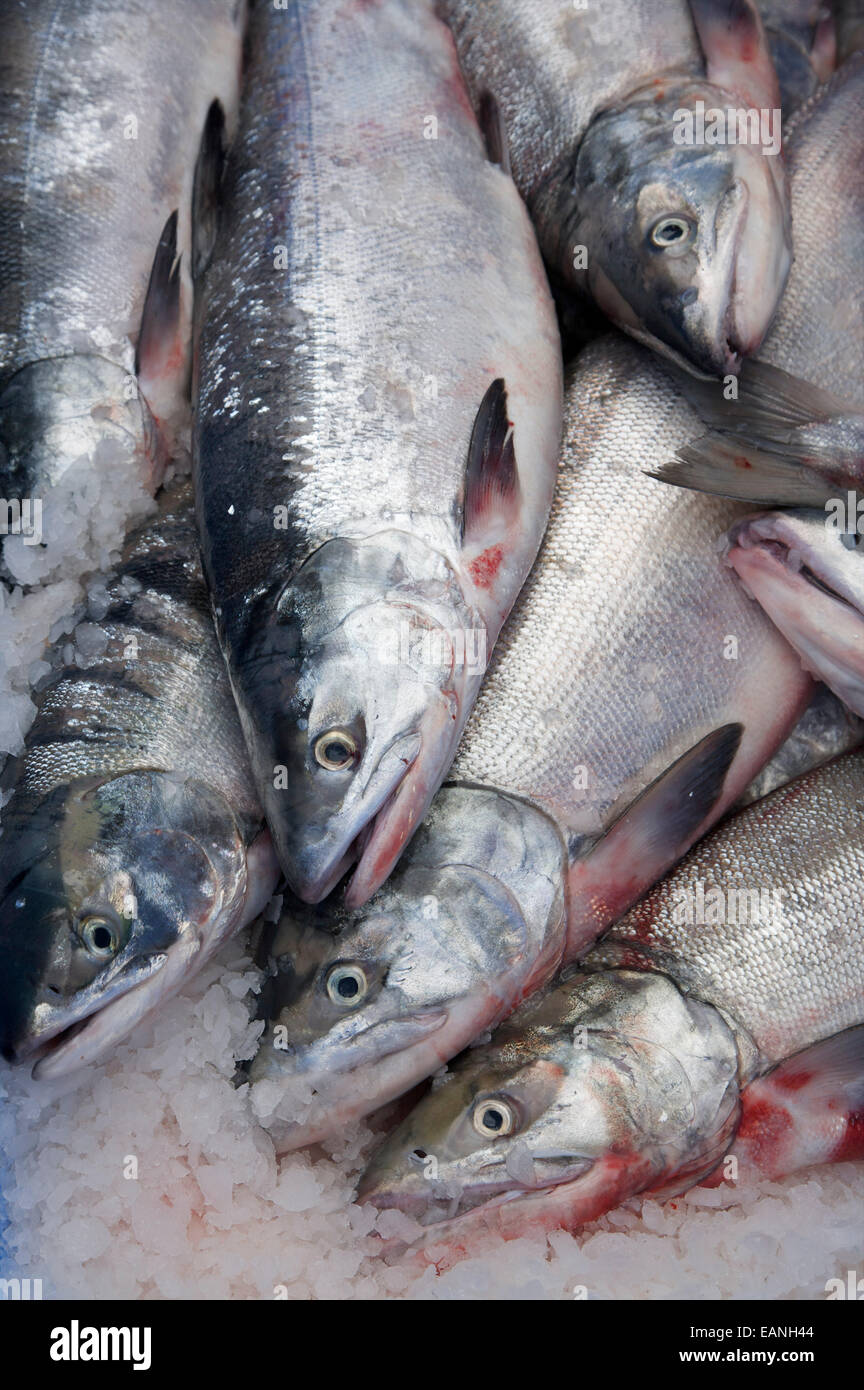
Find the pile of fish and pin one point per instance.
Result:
(496, 368)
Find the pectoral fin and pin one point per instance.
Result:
(206, 188)
(651, 835)
(809, 1109)
(160, 317)
(491, 491)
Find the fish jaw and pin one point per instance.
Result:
(472, 919)
(130, 886)
(353, 681)
(704, 302)
(806, 594)
(100, 1025)
(611, 1083)
(515, 1214)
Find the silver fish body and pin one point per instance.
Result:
(628, 1075)
(100, 123)
(625, 589)
(133, 843)
(691, 251)
(590, 741)
(378, 424)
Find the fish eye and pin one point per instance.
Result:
(850, 539)
(672, 231)
(492, 1119)
(100, 936)
(335, 750)
(347, 985)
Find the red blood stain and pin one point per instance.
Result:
(715, 1179)
(851, 1146)
(643, 918)
(764, 1128)
(742, 462)
(484, 569)
(792, 1083)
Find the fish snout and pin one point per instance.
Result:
(752, 239)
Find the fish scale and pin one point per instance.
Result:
(668, 1048)
(790, 981)
(579, 60)
(62, 138)
(104, 717)
(818, 333)
(628, 584)
(345, 367)
(626, 578)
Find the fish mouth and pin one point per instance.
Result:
(445, 1209)
(316, 867)
(386, 835)
(826, 629)
(345, 1088)
(60, 1029)
(799, 561)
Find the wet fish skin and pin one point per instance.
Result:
(624, 589)
(377, 421)
(589, 733)
(584, 111)
(628, 1075)
(130, 850)
(99, 129)
(808, 576)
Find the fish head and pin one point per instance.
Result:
(358, 1016)
(115, 886)
(368, 681)
(688, 245)
(807, 572)
(589, 1093)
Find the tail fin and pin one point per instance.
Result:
(780, 442)
(726, 466)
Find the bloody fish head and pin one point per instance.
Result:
(688, 245)
(364, 671)
(358, 1015)
(607, 1085)
(114, 887)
